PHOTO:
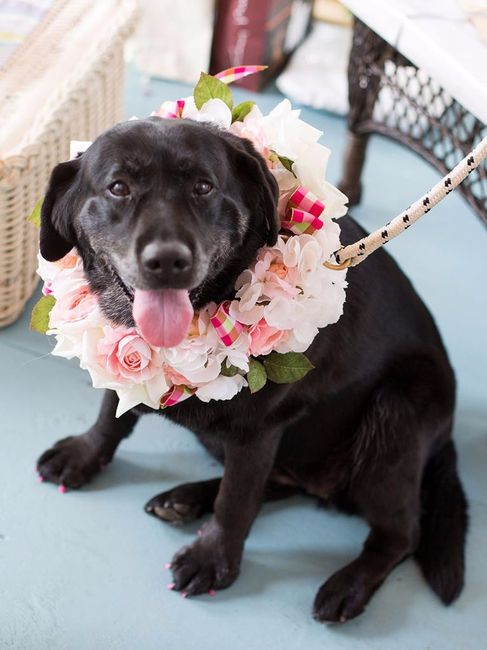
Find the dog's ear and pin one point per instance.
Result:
(57, 233)
(261, 191)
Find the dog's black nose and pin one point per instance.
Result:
(167, 260)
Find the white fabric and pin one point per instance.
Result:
(317, 73)
(173, 39)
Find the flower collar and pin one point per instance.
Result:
(281, 301)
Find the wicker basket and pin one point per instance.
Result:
(65, 83)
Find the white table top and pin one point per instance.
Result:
(436, 36)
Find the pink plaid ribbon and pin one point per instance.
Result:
(230, 75)
(170, 110)
(175, 395)
(303, 212)
(227, 329)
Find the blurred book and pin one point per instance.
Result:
(332, 11)
(258, 32)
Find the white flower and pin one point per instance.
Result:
(286, 133)
(221, 388)
(237, 353)
(149, 393)
(291, 137)
(214, 110)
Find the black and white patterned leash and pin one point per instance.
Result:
(357, 252)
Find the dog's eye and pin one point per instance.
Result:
(202, 187)
(119, 188)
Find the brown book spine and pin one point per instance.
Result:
(250, 32)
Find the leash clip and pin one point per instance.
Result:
(338, 267)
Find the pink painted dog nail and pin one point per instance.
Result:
(184, 594)
(171, 586)
(40, 478)
(167, 565)
(212, 592)
(61, 489)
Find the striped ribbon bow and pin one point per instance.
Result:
(175, 395)
(227, 329)
(230, 75)
(170, 110)
(303, 212)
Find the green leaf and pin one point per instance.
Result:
(287, 162)
(35, 215)
(256, 376)
(287, 368)
(241, 111)
(209, 87)
(228, 370)
(39, 321)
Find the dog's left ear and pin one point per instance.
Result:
(57, 233)
(262, 191)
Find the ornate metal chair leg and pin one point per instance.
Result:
(364, 69)
(353, 162)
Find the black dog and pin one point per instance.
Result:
(157, 204)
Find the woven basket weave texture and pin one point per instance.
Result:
(58, 86)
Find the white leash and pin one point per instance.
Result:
(356, 253)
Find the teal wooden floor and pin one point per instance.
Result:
(85, 570)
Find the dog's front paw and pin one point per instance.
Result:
(342, 597)
(204, 566)
(71, 462)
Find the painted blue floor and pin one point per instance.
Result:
(84, 570)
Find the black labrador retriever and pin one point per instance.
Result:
(157, 204)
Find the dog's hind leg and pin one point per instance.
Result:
(190, 501)
(405, 417)
(73, 461)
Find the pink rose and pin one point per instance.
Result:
(264, 338)
(126, 355)
(73, 306)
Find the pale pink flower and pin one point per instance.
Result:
(174, 376)
(74, 306)
(251, 128)
(69, 261)
(264, 338)
(276, 278)
(62, 275)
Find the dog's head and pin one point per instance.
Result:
(175, 209)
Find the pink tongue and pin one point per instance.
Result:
(163, 317)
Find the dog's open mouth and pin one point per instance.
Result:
(163, 316)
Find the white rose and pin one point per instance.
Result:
(221, 388)
(214, 110)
